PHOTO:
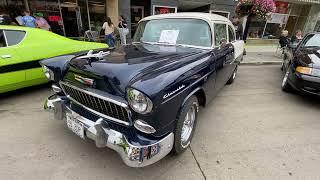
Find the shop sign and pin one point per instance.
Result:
(277, 18)
(54, 18)
(282, 7)
(163, 9)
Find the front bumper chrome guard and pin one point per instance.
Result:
(103, 136)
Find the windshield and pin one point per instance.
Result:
(193, 32)
(312, 40)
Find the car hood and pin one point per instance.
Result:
(128, 64)
(310, 57)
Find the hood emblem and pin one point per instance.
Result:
(83, 80)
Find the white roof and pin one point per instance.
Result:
(196, 15)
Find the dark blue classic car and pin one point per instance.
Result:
(142, 99)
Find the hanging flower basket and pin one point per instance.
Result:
(259, 8)
(263, 8)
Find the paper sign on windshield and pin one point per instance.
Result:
(169, 36)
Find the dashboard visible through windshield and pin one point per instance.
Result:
(194, 32)
(312, 40)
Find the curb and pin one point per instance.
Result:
(261, 63)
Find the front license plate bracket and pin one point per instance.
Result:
(75, 126)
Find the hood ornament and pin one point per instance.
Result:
(83, 80)
(98, 55)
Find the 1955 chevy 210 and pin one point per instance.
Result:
(142, 99)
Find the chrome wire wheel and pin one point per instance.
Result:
(187, 127)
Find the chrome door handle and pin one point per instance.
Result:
(6, 56)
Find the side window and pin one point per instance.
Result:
(2, 40)
(220, 34)
(14, 37)
(231, 34)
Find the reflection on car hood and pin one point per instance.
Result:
(310, 57)
(128, 64)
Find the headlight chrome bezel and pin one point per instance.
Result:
(48, 73)
(134, 96)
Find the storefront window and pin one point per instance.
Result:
(287, 16)
(97, 10)
(49, 9)
(3, 4)
(84, 15)
(256, 28)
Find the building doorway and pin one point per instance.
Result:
(139, 10)
(137, 13)
(291, 23)
(71, 19)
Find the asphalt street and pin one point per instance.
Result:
(251, 130)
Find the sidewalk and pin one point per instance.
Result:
(262, 54)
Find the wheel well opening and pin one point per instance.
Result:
(201, 97)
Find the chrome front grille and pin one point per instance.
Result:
(103, 106)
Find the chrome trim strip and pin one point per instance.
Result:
(93, 111)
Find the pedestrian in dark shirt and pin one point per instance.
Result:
(284, 39)
(4, 18)
(238, 26)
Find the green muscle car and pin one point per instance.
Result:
(22, 48)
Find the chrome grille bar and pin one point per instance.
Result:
(100, 105)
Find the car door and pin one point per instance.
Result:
(11, 73)
(224, 53)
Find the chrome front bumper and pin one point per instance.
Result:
(132, 155)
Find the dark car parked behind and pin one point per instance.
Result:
(301, 66)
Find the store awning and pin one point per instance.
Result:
(303, 1)
(308, 1)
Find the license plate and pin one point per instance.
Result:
(75, 126)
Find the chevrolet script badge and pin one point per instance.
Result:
(83, 80)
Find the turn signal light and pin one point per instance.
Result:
(144, 127)
(304, 70)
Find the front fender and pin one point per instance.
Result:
(58, 65)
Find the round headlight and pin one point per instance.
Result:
(138, 101)
(47, 72)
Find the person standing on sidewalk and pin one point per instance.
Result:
(297, 37)
(284, 39)
(123, 29)
(108, 32)
(28, 20)
(238, 26)
(4, 17)
(41, 22)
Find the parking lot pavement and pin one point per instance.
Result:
(252, 130)
(259, 54)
